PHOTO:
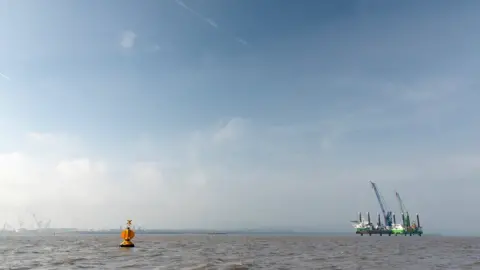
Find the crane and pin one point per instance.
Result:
(47, 224)
(387, 215)
(37, 222)
(400, 202)
(20, 223)
(405, 215)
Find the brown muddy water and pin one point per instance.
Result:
(239, 252)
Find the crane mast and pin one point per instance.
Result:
(387, 215)
(400, 202)
(405, 215)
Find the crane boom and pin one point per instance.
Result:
(400, 202)
(405, 215)
(387, 215)
(37, 222)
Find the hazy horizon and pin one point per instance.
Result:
(238, 114)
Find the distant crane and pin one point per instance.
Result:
(405, 215)
(400, 202)
(387, 214)
(7, 227)
(47, 224)
(20, 223)
(36, 221)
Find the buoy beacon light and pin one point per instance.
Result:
(127, 235)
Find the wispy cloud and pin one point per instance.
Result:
(241, 41)
(230, 130)
(5, 76)
(204, 18)
(212, 23)
(128, 39)
(41, 137)
(199, 15)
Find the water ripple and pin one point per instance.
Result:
(240, 252)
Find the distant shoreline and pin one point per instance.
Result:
(218, 233)
(62, 231)
(232, 233)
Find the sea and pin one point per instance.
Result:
(240, 252)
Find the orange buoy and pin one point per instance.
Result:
(127, 235)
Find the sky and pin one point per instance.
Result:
(238, 114)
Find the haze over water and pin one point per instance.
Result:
(241, 252)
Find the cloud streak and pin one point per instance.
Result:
(242, 41)
(5, 76)
(199, 15)
(210, 21)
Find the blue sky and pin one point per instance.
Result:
(233, 114)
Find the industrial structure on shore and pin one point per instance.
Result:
(39, 226)
(390, 225)
(42, 227)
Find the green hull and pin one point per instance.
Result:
(398, 231)
(405, 232)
